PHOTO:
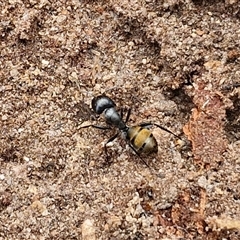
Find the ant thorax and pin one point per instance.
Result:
(113, 118)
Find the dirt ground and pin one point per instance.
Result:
(175, 63)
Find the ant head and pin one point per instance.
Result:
(102, 102)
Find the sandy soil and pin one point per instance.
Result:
(175, 63)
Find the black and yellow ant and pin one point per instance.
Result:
(139, 138)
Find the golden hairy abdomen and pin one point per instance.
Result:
(142, 140)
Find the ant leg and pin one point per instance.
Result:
(121, 113)
(96, 126)
(128, 115)
(139, 155)
(159, 126)
(145, 124)
(165, 129)
(108, 141)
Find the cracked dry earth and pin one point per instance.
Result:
(174, 63)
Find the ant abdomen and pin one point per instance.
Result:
(142, 140)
